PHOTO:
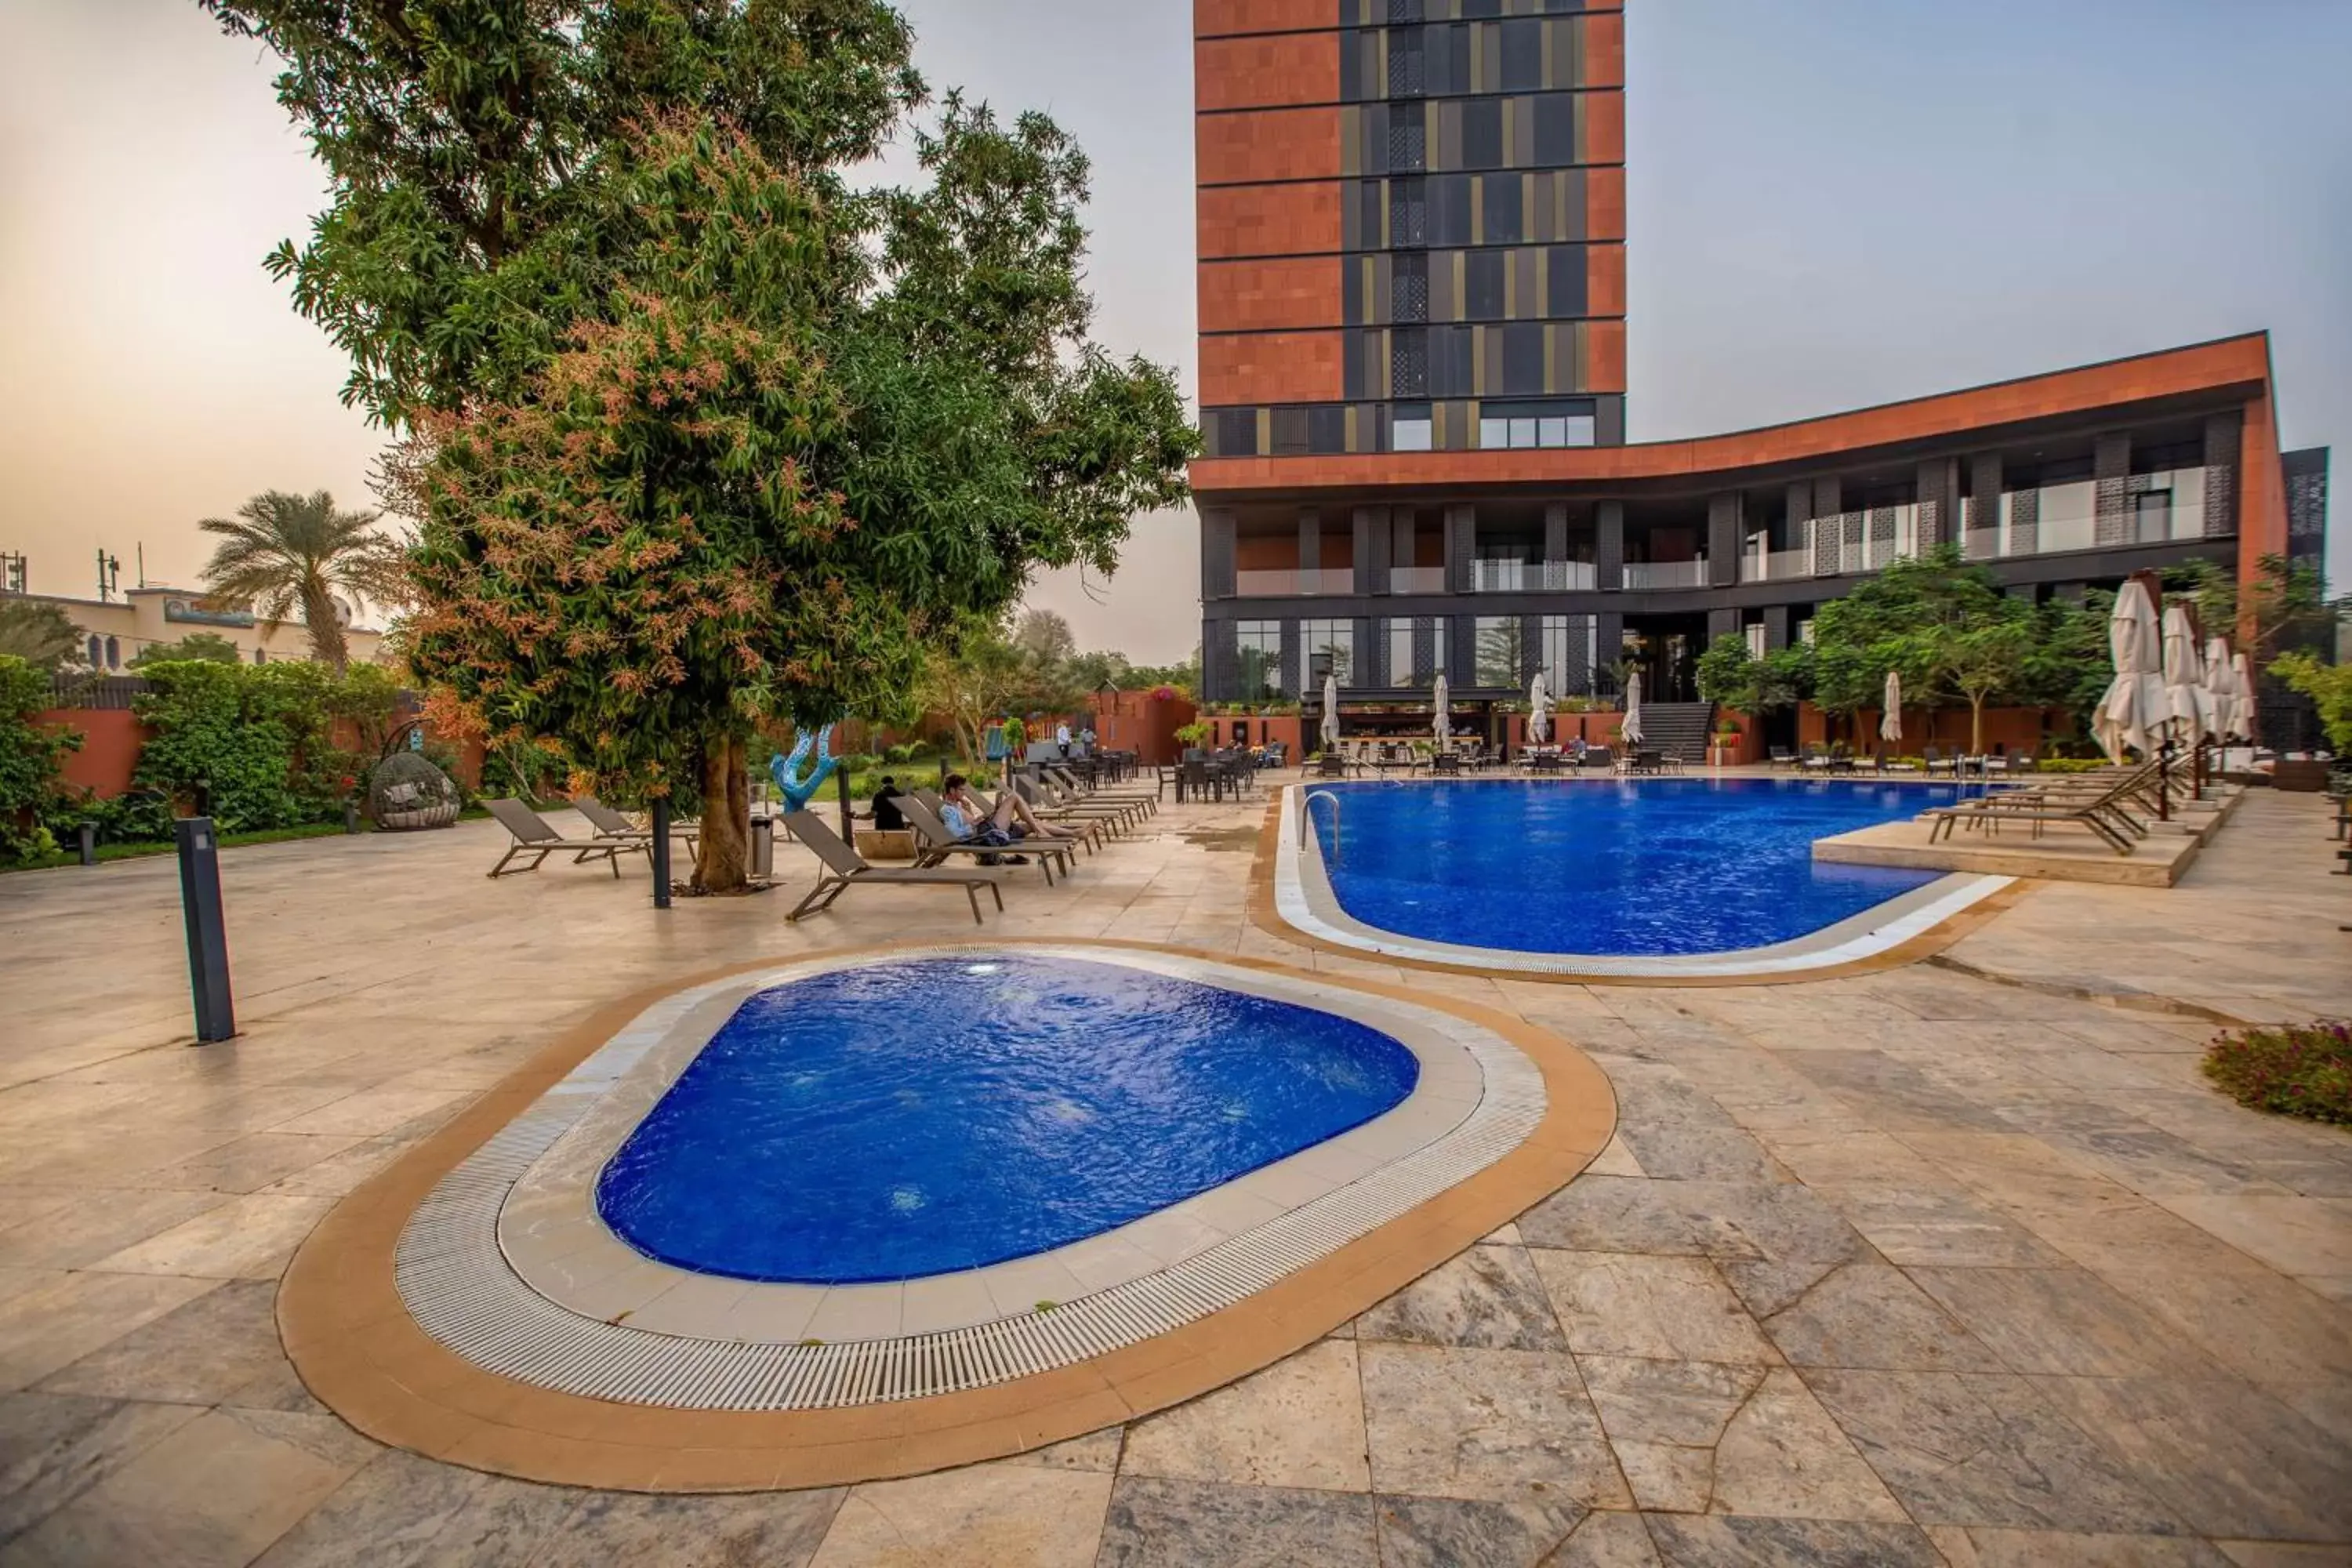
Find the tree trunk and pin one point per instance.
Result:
(722, 855)
(1976, 726)
(326, 630)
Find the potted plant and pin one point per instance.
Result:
(1724, 752)
(1193, 737)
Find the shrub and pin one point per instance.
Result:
(2295, 1069)
(213, 740)
(30, 755)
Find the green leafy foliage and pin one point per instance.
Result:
(705, 441)
(255, 741)
(1728, 674)
(30, 757)
(2295, 1069)
(2329, 686)
(2285, 602)
(286, 552)
(210, 647)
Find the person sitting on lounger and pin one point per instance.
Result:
(962, 817)
(887, 817)
(1013, 815)
(1575, 749)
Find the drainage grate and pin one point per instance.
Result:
(458, 1286)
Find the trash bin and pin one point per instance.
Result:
(763, 847)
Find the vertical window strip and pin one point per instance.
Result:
(1583, 131)
(1265, 431)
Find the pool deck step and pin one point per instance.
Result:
(2062, 853)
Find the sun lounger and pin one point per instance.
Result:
(1048, 800)
(536, 837)
(610, 824)
(2103, 812)
(934, 843)
(1088, 831)
(843, 867)
(1147, 799)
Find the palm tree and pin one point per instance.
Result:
(38, 632)
(283, 552)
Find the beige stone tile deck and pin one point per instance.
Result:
(1946, 1263)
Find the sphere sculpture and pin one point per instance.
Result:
(407, 792)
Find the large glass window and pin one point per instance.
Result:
(1331, 649)
(1231, 432)
(1504, 423)
(1411, 430)
(1258, 649)
(1397, 631)
(1566, 655)
(1503, 216)
(1501, 651)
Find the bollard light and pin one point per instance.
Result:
(88, 834)
(660, 852)
(200, 902)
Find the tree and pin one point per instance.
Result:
(285, 551)
(1727, 672)
(1044, 636)
(2286, 601)
(709, 440)
(39, 633)
(2329, 686)
(1897, 622)
(210, 647)
(31, 755)
(1982, 658)
(971, 678)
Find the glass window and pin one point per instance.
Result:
(1231, 432)
(2152, 516)
(97, 652)
(1555, 129)
(1522, 56)
(1500, 647)
(1805, 631)
(1411, 430)
(1564, 280)
(1494, 431)
(1258, 649)
(1503, 210)
(1482, 133)
(1565, 653)
(1523, 358)
(1552, 431)
(1579, 430)
(1329, 649)
(1397, 635)
(1327, 429)
(1451, 373)
(1406, 78)
(1290, 432)
(1755, 634)
(1482, 284)
(1449, 210)
(114, 654)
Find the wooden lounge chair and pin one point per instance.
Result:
(843, 867)
(1064, 794)
(2103, 812)
(1083, 830)
(610, 824)
(536, 837)
(1109, 819)
(934, 843)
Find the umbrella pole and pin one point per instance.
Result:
(2164, 781)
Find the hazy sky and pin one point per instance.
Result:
(1833, 202)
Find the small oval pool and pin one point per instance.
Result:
(909, 1119)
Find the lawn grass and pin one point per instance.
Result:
(2295, 1069)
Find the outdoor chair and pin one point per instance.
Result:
(1144, 800)
(1330, 765)
(2105, 812)
(1600, 758)
(1092, 828)
(610, 824)
(1938, 763)
(1784, 758)
(1056, 806)
(842, 867)
(1064, 791)
(934, 843)
(536, 837)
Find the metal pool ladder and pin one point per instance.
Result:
(1307, 815)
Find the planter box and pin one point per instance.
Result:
(2306, 776)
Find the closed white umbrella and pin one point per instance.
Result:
(1631, 728)
(1538, 712)
(1443, 723)
(1890, 722)
(2187, 703)
(1331, 712)
(2136, 701)
(2221, 693)
(2243, 706)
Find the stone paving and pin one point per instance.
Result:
(1942, 1264)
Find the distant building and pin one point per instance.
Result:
(115, 631)
(1413, 330)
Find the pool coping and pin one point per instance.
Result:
(1291, 896)
(554, 1239)
(358, 1349)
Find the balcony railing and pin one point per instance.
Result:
(1503, 576)
(1775, 566)
(2159, 508)
(1665, 574)
(1416, 579)
(1293, 583)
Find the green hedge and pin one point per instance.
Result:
(30, 758)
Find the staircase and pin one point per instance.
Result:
(1678, 730)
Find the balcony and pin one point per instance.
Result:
(2161, 508)
(1416, 579)
(1497, 576)
(1293, 583)
(1665, 574)
(1776, 565)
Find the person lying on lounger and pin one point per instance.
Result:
(963, 816)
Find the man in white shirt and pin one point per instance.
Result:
(1062, 739)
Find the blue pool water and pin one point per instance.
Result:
(910, 1118)
(1632, 867)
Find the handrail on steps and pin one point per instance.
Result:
(1307, 815)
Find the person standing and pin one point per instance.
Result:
(1062, 738)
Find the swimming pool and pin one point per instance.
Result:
(910, 1118)
(1646, 868)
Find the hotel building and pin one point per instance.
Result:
(1413, 330)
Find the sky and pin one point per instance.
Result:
(1832, 203)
